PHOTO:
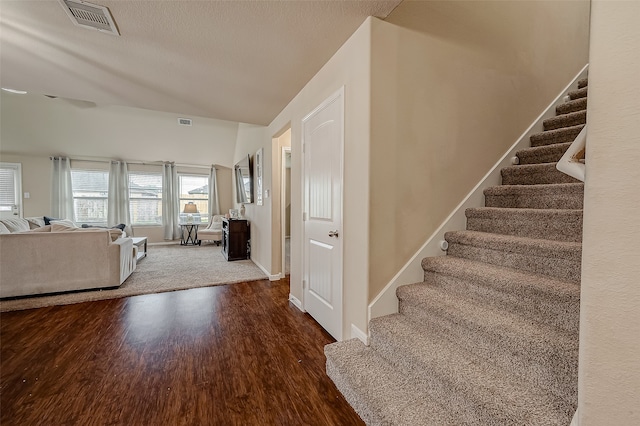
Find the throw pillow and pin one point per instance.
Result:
(115, 234)
(46, 228)
(65, 222)
(35, 222)
(3, 229)
(47, 220)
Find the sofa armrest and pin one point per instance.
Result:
(127, 258)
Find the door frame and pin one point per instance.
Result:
(338, 94)
(283, 187)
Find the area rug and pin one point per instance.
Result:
(166, 268)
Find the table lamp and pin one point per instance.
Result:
(190, 208)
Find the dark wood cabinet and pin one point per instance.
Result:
(235, 239)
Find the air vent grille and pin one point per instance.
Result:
(89, 15)
(184, 121)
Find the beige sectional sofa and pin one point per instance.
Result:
(60, 258)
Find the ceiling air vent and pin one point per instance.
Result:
(91, 16)
(184, 121)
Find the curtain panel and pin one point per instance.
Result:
(118, 195)
(61, 189)
(170, 207)
(214, 200)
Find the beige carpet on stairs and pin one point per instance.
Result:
(166, 268)
(490, 337)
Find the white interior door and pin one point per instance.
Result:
(323, 141)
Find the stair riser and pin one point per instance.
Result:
(572, 106)
(439, 375)
(566, 120)
(352, 396)
(525, 362)
(529, 176)
(543, 201)
(551, 154)
(577, 94)
(559, 311)
(553, 137)
(556, 228)
(537, 263)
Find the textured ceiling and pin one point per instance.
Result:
(232, 60)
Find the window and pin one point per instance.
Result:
(90, 189)
(194, 189)
(10, 189)
(145, 198)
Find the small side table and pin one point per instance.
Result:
(189, 234)
(141, 243)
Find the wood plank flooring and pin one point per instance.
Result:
(239, 354)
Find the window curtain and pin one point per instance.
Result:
(61, 189)
(170, 208)
(214, 201)
(118, 196)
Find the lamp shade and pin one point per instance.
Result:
(190, 208)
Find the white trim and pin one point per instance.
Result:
(570, 163)
(296, 302)
(574, 420)
(359, 334)
(283, 211)
(386, 302)
(272, 277)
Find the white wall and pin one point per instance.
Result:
(250, 139)
(609, 366)
(349, 67)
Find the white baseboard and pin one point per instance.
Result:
(386, 302)
(296, 302)
(359, 334)
(271, 277)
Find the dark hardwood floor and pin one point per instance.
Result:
(229, 355)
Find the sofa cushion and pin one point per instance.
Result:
(65, 222)
(16, 224)
(46, 228)
(3, 229)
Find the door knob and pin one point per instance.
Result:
(333, 233)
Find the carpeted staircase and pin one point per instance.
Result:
(491, 335)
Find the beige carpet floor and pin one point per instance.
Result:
(166, 268)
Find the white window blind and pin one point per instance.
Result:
(145, 198)
(7, 189)
(90, 190)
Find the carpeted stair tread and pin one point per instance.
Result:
(572, 106)
(558, 259)
(577, 94)
(543, 154)
(378, 392)
(534, 174)
(583, 82)
(539, 298)
(566, 134)
(551, 224)
(565, 120)
(543, 196)
(481, 387)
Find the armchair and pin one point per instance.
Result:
(213, 231)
